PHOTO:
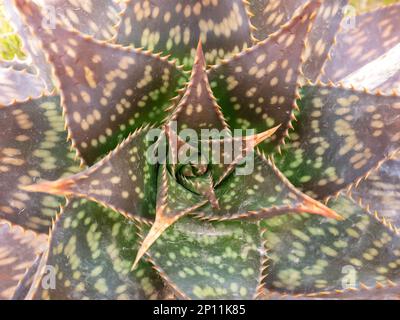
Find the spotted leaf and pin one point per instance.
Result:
(90, 255)
(33, 146)
(261, 192)
(18, 250)
(342, 134)
(124, 181)
(198, 109)
(257, 89)
(93, 18)
(11, 83)
(269, 15)
(210, 260)
(107, 91)
(373, 34)
(22, 291)
(380, 192)
(176, 27)
(310, 256)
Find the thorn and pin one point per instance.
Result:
(264, 135)
(315, 207)
(160, 225)
(60, 187)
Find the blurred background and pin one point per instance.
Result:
(10, 44)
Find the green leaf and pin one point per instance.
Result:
(18, 250)
(262, 193)
(198, 108)
(341, 135)
(176, 26)
(310, 256)
(380, 192)
(108, 91)
(373, 34)
(269, 15)
(124, 181)
(257, 89)
(18, 85)
(91, 252)
(210, 260)
(33, 146)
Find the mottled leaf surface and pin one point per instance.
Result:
(210, 261)
(341, 135)
(309, 255)
(18, 250)
(269, 15)
(91, 251)
(262, 193)
(381, 191)
(18, 85)
(93, 17)
(373, 34)
(124, 180)
(198, 108)
(176, 26)
(257, 89)
(107, 91)
(33, 146)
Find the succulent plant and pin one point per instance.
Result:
(316, 215)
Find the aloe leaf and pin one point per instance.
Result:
(93, 18)
(25, 283)
(262, 193)
(90, 255)
(210, 260)
(176, 26)
(33, 146)
(368, 37)
(257, 89)
(341, 135)
(312, 256)
(18, 85)
(124, 181)
(18, 250)
(380, 192)
(269, 15)
(198, 108)
(108, 91)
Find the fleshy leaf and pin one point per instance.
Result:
(25, 283)
(107, 91)
(18, 85)
(210, 260)
(33, 146)
(198, 108)
(379, 291)
(124, 181)
(342, 134)
(257, 89)
(18, 250)
(91, 251)
(91, 17)
(310, 256)
(373, 34)
(269, 15)
(173, 202)
(175, 27)
(380, 192)
(262, 193)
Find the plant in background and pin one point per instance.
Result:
(107, 84)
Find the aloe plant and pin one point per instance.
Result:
(315, 216)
